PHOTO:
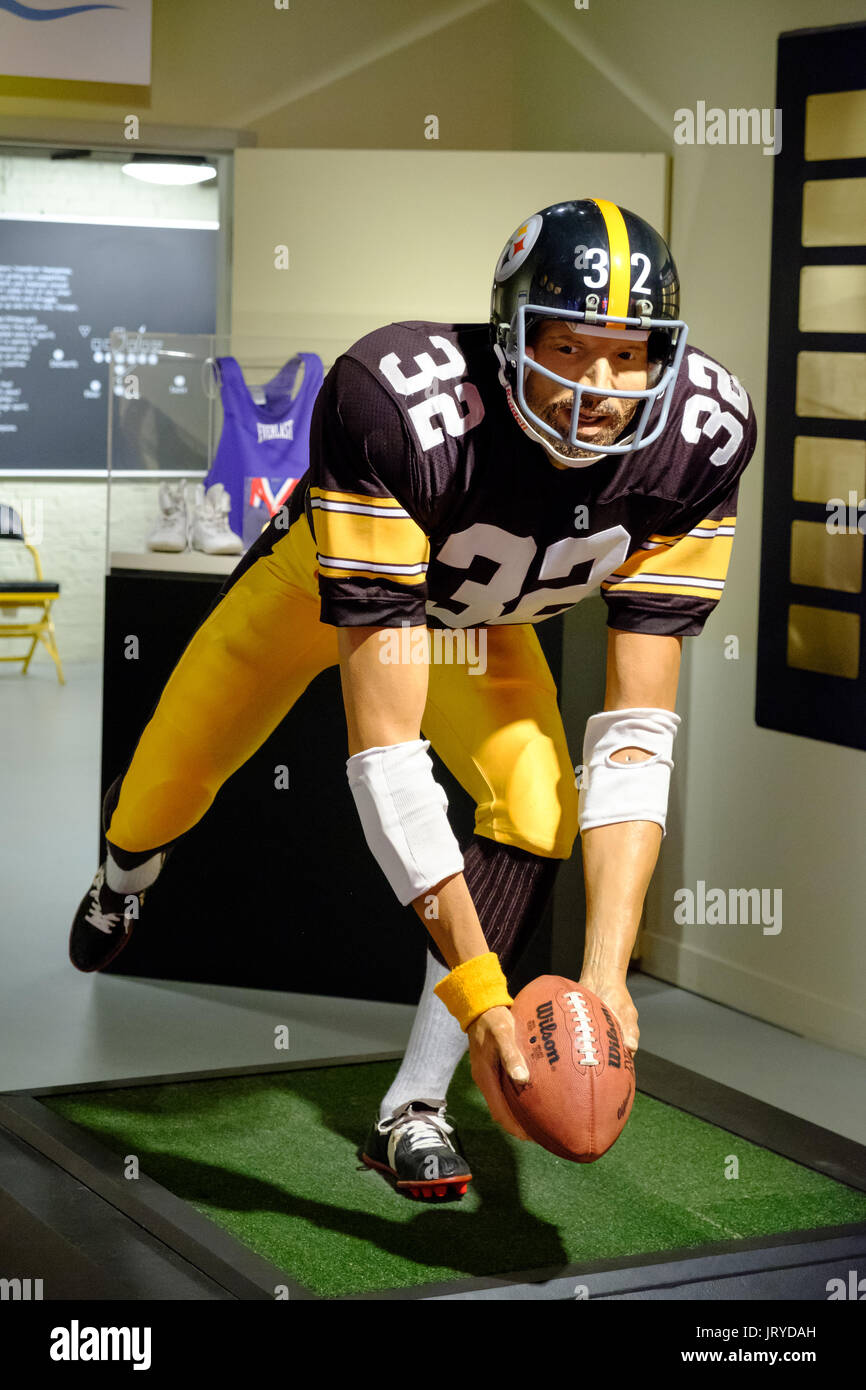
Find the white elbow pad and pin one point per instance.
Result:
(402, 809)
(613, 791)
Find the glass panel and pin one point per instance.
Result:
(826, 559)
(833, 299)
(825, 640)
(165, 417)
(832, 385)
(834, 212)
(825, 468)
(836, 125)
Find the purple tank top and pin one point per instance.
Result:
(263, 441)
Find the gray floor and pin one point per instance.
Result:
(59, 1028)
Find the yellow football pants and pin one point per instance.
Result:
(499, 733)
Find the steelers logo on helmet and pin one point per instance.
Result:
(607, 275)
(517, 248)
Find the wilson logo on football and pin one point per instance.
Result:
(614, 1056)
(547, 1027)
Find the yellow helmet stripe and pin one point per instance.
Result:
(620, 263)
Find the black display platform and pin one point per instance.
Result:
(98, 1236)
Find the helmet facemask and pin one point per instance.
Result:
(666, 342)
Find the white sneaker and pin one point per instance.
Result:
(170, 532)
(209, 525)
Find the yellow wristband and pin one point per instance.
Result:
(473, 987)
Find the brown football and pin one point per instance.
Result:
(581, 1075)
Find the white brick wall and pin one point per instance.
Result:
(67, 518)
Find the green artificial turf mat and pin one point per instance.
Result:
(272, 1159)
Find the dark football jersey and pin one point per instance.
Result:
(429, 504)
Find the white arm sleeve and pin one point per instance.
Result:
(402, 809)
(612, 791)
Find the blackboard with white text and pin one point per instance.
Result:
(63, 287)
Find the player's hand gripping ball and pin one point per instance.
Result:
(581, 1075)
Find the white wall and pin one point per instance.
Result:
(375, 236)
(71, 513)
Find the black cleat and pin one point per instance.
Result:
(104, 921)
(103, 924)
(414, 1147)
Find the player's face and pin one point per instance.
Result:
(618, 364)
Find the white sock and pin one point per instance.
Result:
(133, 880)
(436, 1044)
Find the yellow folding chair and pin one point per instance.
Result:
(27, 593)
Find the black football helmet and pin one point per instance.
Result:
(602, 267)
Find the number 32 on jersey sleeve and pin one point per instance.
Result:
(702, 414)
(440, 403)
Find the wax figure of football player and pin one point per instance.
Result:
(473, 476)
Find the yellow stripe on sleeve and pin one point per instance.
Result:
(362, 537)
(695, 565)
(359, 498)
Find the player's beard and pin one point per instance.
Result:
(557, 414)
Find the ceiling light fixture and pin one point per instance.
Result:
(175, 169)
